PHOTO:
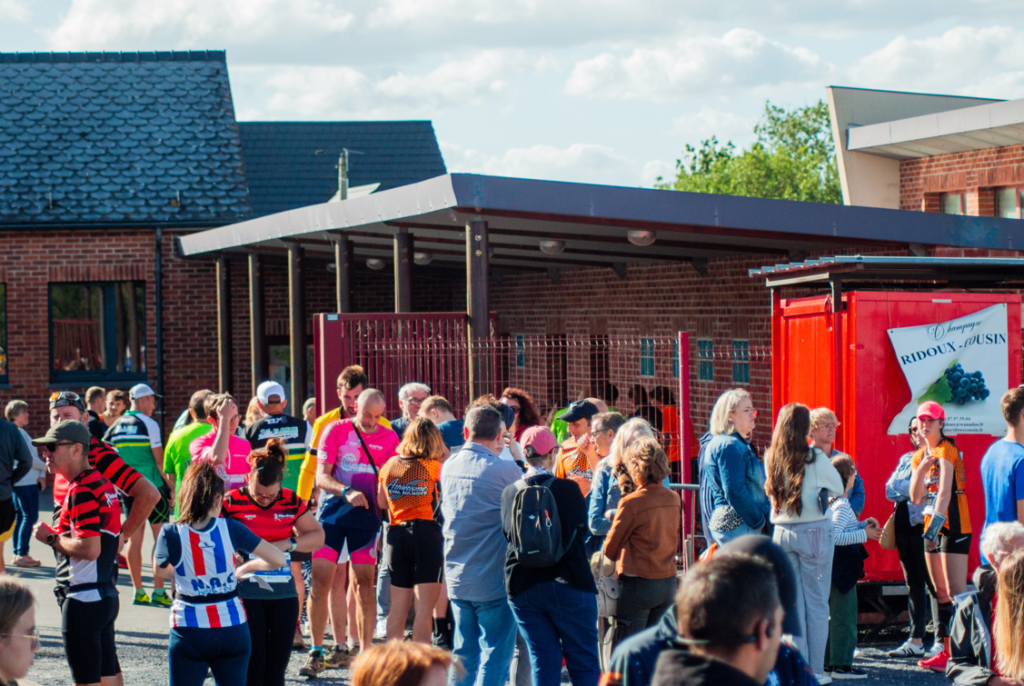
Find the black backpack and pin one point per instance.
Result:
(536, 528)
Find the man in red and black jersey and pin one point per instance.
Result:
(85, 543)
(64, 406)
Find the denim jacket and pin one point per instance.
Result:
(604, 496)
(897, 488)
(732, 475)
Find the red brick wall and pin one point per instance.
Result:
(31, 260)
(973, 173)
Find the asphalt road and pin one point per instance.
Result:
(142, 638)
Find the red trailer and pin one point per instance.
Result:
(845, 359)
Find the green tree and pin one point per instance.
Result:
(793, 158)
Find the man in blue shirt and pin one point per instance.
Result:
(472, 481)
(440, 411)
(1002, 468)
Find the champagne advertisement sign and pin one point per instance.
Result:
(962, 364)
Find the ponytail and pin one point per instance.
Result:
(200, 488)
(268, 463)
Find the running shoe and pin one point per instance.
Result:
(824, 679)
(26, 561)
(935, 664)
(337, 657)
(314, 664)
(936, 648)
(908, 649)
(298, 643)
(140, 597)
(848, 673)
(380, 631)
(160, 598)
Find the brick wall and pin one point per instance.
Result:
(974, 174)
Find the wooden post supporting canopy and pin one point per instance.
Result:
(477, 303)
(343, 274)
(403, 271)
(257, 322)
(296, 329)
(223, 326)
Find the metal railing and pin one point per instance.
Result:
(688, 542)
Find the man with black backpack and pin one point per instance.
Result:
(549, 582)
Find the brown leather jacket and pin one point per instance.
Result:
(645, 533)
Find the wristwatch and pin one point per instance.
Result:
(51, 538)
(294, 545)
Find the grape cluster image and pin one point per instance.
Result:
(965, 386)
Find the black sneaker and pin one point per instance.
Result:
(848, 673)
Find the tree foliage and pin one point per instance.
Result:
(793, 158)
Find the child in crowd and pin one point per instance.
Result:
(847, 570)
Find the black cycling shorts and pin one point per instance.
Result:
(415, 553)
(7, 515)
(88, 630)
(162, 511)
(953, 545)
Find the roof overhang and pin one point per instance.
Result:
(884, 271)
(593, 221)
(981, 127)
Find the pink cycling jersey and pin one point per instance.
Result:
(341, 448)
(235, 468)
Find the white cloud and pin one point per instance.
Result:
(708, 122)
(580, 163)
(963, 61)
(315, 92)
(741, 59)
(15, 10)
(655, 170)
(193, 24)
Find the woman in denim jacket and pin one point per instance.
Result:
(732, 497)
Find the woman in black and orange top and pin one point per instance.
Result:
(938, 482)
(278, 516)
(414, 552)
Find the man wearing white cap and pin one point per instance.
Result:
(136, 437)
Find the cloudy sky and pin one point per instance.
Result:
(604, 91)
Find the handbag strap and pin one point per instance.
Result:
(369, 457)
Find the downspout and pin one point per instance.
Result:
(158, 276)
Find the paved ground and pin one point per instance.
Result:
(142, 639)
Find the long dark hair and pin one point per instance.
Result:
(787, 457)
(527, 410)
(268, 463)
(200, 488)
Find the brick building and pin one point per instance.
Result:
(105, 160)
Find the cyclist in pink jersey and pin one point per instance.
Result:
(348, 513)
(222, 446)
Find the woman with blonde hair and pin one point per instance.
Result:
(1009, 624)
(732, 499)
(643, 540)
(19, 637)
(801, 482)
(407, 487)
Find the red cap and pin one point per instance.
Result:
(931, 410)
(541, 438)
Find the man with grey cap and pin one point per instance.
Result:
(84, 538)
(634, 659)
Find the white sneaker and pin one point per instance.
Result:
(936, 648)
(824, 679)
(908, 649)
(857, 653)
(380, 631)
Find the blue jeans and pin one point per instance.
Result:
(484, 637)
(559, 620)
(26, 504)
(225, 651)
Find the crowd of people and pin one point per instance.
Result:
(488, 549)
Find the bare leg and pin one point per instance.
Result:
(116, 680)
(339, 605)
(300, 586)
(401, 601)
(158, 581)
(938, 574)
(323, 580)
(955, 567)
(364, 576)
(133, 551)
(441, 606)
(352, 608)
(426, 600)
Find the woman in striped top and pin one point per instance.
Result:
(208, 622)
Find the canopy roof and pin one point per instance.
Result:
(593, 222)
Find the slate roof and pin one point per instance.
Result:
(119, 139)
(295, 164)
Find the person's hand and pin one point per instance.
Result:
(42, 531)
(609, 514)
(872, 520)
(930, 546)
(927, 462)
(357, 499)
(229, 411)
(873, 531)
(42, 482)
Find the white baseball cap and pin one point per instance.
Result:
(141, 390)
(270, 388)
